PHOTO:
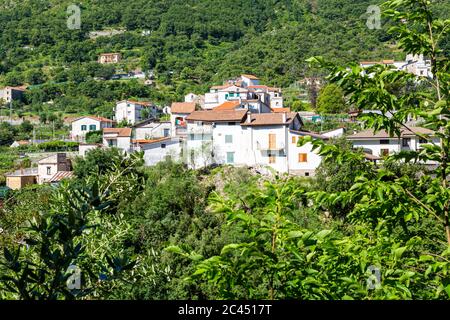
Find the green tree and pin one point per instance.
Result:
(331, 100)
(94, 137)
(387, 197)
(35, 76)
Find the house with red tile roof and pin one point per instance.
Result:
(243, 138)
(118, 138)
(178, 113)
(247, 90)
(82, 125)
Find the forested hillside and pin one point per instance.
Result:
(191, 44)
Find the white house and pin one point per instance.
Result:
(190, 97)
(117, 138)
(133, 111)
(8, 94)
(109, 58)
(19, 143)
(83, 125)
(157, 150)
(50, 166)
(241, 138)
(245, 89)
(382, 144)
(249, 80)
(197, 99)
(151, 129)
(276, 98)
(178, 113)
(415, 64)
(336, 133)
(220, 94)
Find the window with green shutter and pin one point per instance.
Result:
(228, 138)
(230, 157)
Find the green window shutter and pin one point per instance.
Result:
(230, 157)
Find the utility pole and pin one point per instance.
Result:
(10, 111)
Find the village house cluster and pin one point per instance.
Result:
(415, 64)
(241, 122)
(49, 170)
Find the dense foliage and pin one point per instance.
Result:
(220, 39)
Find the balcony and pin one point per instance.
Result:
(270, 146)
(204, 129)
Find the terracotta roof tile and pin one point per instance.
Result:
(121, 132)
(264, 119)
(281, 110)
(102, 119)
(148, 141)
(182, 107)
(228, 105)
(142, 103)
(61, 175)
(217, 116)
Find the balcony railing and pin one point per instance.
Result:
(200, 130)
(270, 147)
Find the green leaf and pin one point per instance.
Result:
(399, 252)
(322, 234)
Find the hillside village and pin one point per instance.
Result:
(241, 123)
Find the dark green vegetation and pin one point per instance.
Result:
(191, 45)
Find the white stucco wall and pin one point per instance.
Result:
(375, 146)
(302, 168)
(152, 130)
(127, 111)
(84, 148)
(79, 135)
(154, 153)
(42, 172)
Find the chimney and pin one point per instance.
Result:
(284, 117)
(249, 116)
